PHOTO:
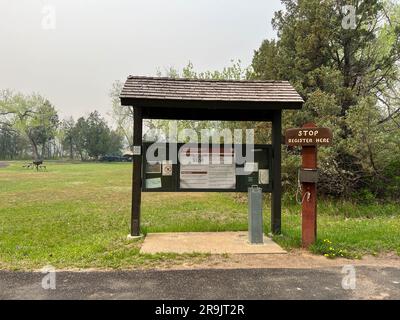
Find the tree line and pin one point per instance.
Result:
(347, 73)
(30, 128)
(346, 68)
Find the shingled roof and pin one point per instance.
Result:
(209, 90)
(157, 95)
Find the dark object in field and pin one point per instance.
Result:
(113, 159)
(38, 164)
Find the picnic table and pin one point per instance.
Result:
(38, 164)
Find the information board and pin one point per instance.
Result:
(207, 168)
(188, 168)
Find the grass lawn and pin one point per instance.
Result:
(77, 216)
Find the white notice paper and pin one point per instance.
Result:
(208, 169)
(263, 176)
(153, 183)
(251, 167)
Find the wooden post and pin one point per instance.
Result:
(137, 172)
(309, 195)
(276, 173)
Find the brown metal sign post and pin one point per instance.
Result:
(308, 137)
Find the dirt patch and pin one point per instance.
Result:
(296, 259)
(3, 164)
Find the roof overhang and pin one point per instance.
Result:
(188, 99)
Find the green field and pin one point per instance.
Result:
(77, 216)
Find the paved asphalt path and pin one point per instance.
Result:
(371, 283)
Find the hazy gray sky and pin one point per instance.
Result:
(74, 61)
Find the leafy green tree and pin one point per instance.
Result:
(79, 133)
(97, 135)
(340, 68)
(235, 71)
(94, 138)
(122, 115)
(30, 115)
(43, 125)
(265, 63)
(115, 146)
(67, 135)
(12, 144)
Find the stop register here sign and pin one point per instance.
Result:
(308, 136)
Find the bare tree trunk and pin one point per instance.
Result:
(71, 151)
(81, 154)
(34, 149)
(43, 150)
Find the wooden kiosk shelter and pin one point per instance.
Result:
(188, 99)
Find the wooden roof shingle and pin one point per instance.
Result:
(158, 88)
(198, 99)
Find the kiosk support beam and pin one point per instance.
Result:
(276, 173)
(137, 171)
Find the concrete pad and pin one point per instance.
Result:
(207, 242)
(134, 238)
